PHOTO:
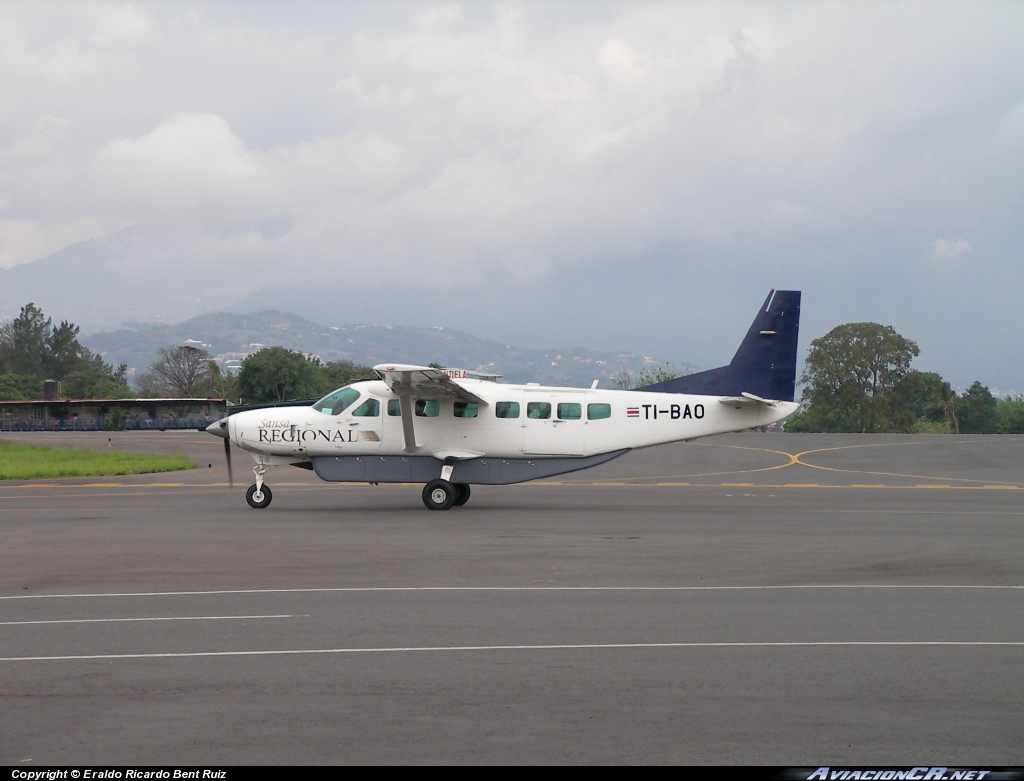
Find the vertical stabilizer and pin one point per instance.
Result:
(764, 364)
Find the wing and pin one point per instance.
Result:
(423, 382)
(420, 382)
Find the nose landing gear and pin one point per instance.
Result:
(258, 496)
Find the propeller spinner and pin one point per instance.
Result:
(219, 428)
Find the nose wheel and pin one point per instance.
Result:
(259, 497)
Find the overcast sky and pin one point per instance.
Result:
(617, 175)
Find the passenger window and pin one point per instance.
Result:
(570, 411)
(394, 408)
(599, 411)
(466, 409)
(428, 408)
(368, 409)
(506, 409)
(539, 410)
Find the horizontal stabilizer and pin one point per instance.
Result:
(747, 400)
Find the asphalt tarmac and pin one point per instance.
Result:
(796, 600)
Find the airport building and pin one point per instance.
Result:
(110, 414)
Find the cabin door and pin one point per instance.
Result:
(553, 423)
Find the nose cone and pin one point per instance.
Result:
(219, 428)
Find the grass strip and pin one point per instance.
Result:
(25, 462)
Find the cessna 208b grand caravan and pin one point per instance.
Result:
(451, 428)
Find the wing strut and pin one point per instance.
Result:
(405, 404)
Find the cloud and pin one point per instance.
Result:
(785, 213)
(189, 163)
(522, 125)
(949, 251)
(624, 66)
(1009, 135)
(714, 145)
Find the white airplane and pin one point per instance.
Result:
(452, 428)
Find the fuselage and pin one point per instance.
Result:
(512, 421)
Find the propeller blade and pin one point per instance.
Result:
(227, 455)
(219, 428)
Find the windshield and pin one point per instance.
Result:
(334, 403)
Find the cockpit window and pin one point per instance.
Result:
(338, 401)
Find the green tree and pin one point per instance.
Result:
(918, 389)
(336, 374)
(279, 374)
(97, 381)
(851, 375)
(17, 387)
(976, 410)
(943, 402)
(23, 342)
(32, 348)
(1010, 415)
(64, 354)
(928, 399)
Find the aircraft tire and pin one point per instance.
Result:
(439, 495)
(463, 495)
(263, 499)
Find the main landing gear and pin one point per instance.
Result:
(442, 495)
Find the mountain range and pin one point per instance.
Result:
(127, 310)
(230, 337)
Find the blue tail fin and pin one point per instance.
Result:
(765, 363)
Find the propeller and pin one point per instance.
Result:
(227, 457)
(219, 428)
